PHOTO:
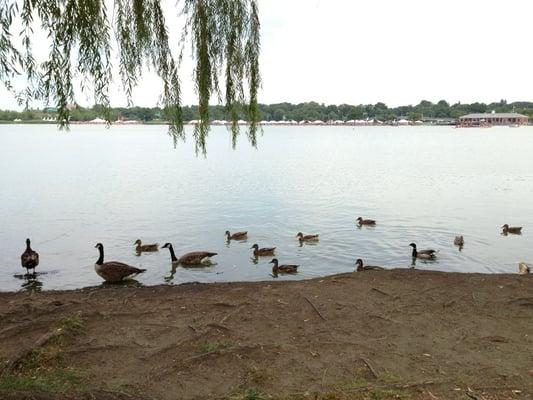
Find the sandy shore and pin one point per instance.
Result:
(395, 334)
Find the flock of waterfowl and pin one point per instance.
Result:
(114, 271)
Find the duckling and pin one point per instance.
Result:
(360, 267)
(192, 258)
(516, 230)
(423, 254)
(524, 268)
(113, 271)
(237, 235)
(145, 247)
(307, 238)
(264, 251)
(29, 259)
(362, 221)
(284, 268)
(459, 241)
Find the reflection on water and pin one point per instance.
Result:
(30, 283)
(421, 184)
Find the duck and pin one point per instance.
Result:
(192, 258)
(237, 235)
(362, 221)
(423, 254)
(30, 258)
(145, 247)
(524, 268)
(360, 267)
(284, 268)
(263, 251)
(459, 241)
(113, 271)
(307, 238)
(517, 230)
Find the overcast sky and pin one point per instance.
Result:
(395, 51)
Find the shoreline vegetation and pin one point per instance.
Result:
(311, 113)
(396, 334)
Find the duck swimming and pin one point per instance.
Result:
(423, 254)
(29, 259)
(515, 230)
(263, 251)
(192, 258)
(362, 221)
(113, 271)
(284, 268)
(307, 238)
(145, 247)
(237, 235)
(360, 267)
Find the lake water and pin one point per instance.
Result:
(68, 191)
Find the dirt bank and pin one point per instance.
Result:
(377, 335)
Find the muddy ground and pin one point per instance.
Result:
(399, 334)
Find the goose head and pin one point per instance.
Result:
(255, 246)
(99, 246)
(138, 241)
(506, 226)
(359, 264)
(300, 235)
(413, 245)
(227, 234)
(167, 246)
(360, 219)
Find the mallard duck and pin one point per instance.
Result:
(29, 259)
(361, 267)
(517, 230)
(145, 247)
(423, 254)
(192, 258)
(113, 271)
(264, 251)
(307, 238)
(284, 268)
(362, 221)
(459, 241)
(524, 268)
(237, 235)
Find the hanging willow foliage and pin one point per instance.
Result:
(224, 35)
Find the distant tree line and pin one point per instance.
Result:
(310, 111)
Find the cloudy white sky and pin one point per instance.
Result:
(395, 51)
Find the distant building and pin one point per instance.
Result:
(490, 119)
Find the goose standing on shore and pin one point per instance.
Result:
(192, 258)
(360, 267)
(113, 271)
(140, 248)
(263, 251)
(236, 235)
(29, 259)
(515, 230)
(369, 222)
(423, 254)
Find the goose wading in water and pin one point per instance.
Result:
(360, 267)
(236, 235)
(263, 251)
(139, 248)
(192, 258)
(113, 271)
(29, 259)
(362, 221)
(423, 254)
(307, 238)
(284, 268)
(524, 268)
(515, 230)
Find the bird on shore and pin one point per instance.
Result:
(113, 271)
(263, 251)
(140, 248)
(360, 267)
(515, 230)
(29, 259)
(307, 238)
(192, 258)
(362, 221)
(284, 268)
(423, 254)
(459, 241)
(236, 235)
(524, 268)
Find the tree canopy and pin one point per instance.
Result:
(223, 34)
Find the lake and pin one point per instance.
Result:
(68, 191)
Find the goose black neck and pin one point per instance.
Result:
(172, 254)
(414, 252)
(100, 260)
(28, 247)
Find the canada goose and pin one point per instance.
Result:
(264, 251)
(145, 247)
(29, 259)
(362, 221)
(237, 235)
(307, 238)
(361, 267)
(192, 258)
(284, 268)
(423, 254)
(459, 241)
(524, 268)
(516, 230)
(113, 271)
